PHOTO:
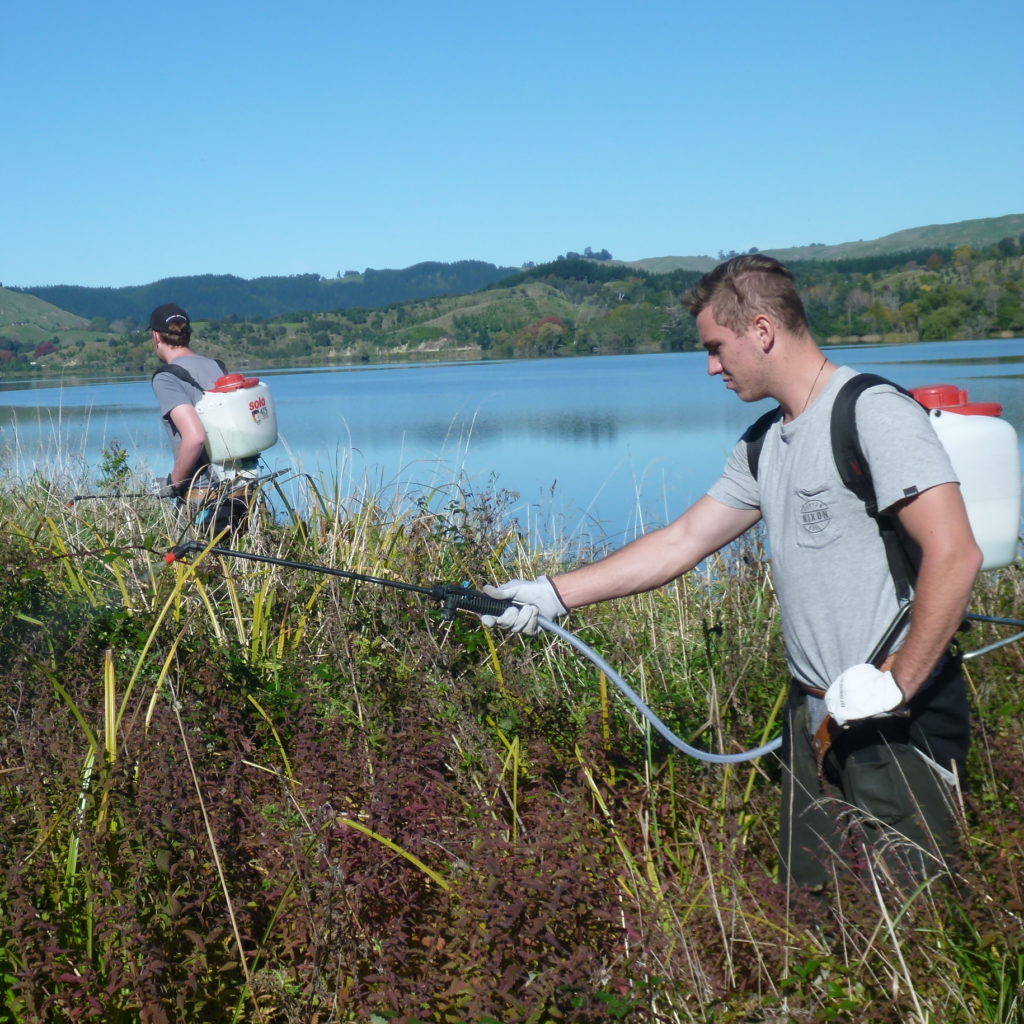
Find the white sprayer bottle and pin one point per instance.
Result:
(238, 416)
(986, 458)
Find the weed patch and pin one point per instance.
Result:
(238, 794)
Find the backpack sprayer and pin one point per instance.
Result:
(982, 447)
(240, 421)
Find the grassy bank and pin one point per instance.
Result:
(240, 792)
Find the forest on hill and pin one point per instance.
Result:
(578, 307)
(216, 296)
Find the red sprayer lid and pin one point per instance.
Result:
(950, 398)
(233, 382)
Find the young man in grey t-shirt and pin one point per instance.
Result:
(898, 728)
(172, 334)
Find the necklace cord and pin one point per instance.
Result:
(814, 384)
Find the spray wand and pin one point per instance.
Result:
(453, 597)
(76, 498)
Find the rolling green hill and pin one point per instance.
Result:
(976, 233)
(20, 310)
(27, 322)
(666, 264)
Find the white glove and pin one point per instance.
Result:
(163, 488)
(533, 598)
(862, 692)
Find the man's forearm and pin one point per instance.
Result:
(645, 564)
(657, 557)
(184, 462)
(950, 559)
(940, 603)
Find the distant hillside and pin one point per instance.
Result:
(575, 307)
(222, 296)
(225, 297)
(19, 309)
(977, 233)
(667, 264)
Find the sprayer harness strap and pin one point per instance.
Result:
(182, 374)
(853, 469)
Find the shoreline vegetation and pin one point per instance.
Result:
(567, 308)
(237, 792)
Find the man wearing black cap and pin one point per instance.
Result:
(177, 394)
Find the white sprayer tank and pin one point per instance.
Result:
(238, 416)
(985, 455)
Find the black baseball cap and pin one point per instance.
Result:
(169, 318)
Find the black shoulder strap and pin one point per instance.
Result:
(177, 371)
(853, 468)
(855, 473)
(754, 436)
(182, 374)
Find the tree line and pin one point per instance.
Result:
(579, 306)
(224, 296)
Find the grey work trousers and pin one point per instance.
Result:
(875, 795)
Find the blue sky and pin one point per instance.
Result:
(145, 141)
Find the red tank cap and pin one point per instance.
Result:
(950, 398)
(934, 396)
(233, 382)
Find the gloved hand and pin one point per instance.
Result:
(862, 692)
(533, 598)
(165, 489)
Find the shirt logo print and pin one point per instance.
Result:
(814, 516)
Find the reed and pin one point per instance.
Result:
(243, 792)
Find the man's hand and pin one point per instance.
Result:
(862, 692)
(533, 599)
(165, 489)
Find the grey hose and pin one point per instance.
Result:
(747, 755)
(701, 755)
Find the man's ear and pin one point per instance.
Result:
(763, 329)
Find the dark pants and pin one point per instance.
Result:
(875, 795)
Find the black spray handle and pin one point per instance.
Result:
(455, 598)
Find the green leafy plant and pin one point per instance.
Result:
(115, 470)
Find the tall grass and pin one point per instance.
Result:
(240, 792)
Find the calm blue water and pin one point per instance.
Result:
(602, 446)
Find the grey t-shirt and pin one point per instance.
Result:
(829, 568)
(171, 392)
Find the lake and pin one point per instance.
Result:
(598, 447)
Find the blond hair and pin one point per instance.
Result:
(745, 286)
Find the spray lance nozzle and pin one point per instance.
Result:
(452, 597)
(179, 551)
